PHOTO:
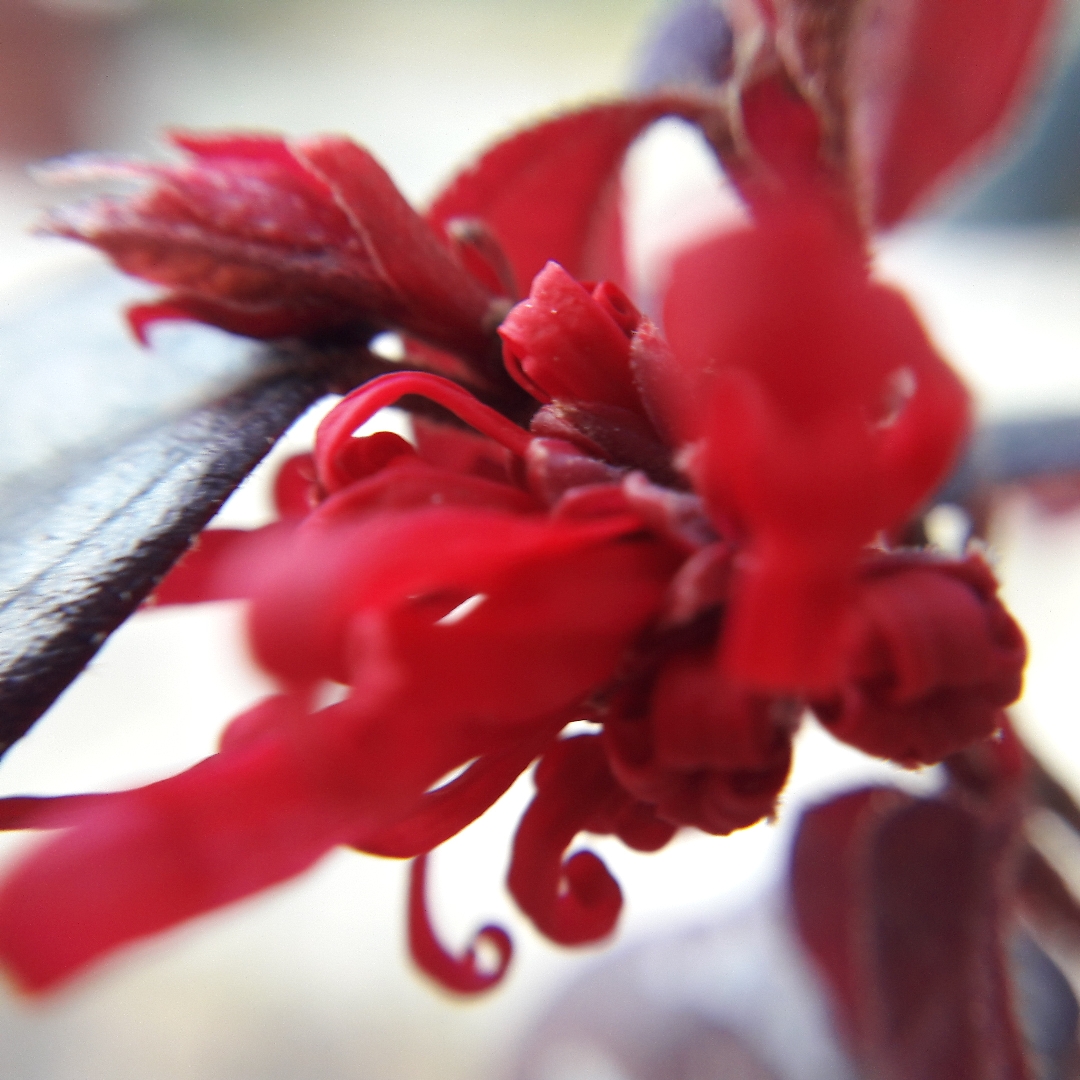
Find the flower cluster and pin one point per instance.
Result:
(674, 530)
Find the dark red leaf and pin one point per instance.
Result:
(930, 81)
(826, 874)
(270, 240)
(899, 902)
(906, 90)
(438, 300)
(1049, 903)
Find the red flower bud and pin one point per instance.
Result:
(705, 753)
(936, 658)
(565, 344)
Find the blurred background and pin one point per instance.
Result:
(312, 979)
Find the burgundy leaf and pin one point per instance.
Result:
(268, 239)
(1049, 902)
(828, 866)
(929, 81)
(899, 902)
(906, 89)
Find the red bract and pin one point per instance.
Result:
(674, 549)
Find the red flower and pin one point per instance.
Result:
(674, 549)
(937, 658)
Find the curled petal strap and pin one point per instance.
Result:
(210, 568)
(444, 812)
(459, 974)
(578, 900)
(365, 402)
(46, 811)
(136, 862)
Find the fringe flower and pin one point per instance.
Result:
(671, 539)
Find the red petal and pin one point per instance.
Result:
(459, 974)
(563, 599)
(576, 901)
(548, 631)
(271, 715)
(46, 811)
(294, 487)
(443, 813)
(335, 432)
(359, 457)
(147, 859)
(543, 191)
(790, 384)
(201, 574)
(461, 451)
(288, 787)
(407, 484)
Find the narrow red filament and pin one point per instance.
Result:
(364, 402)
